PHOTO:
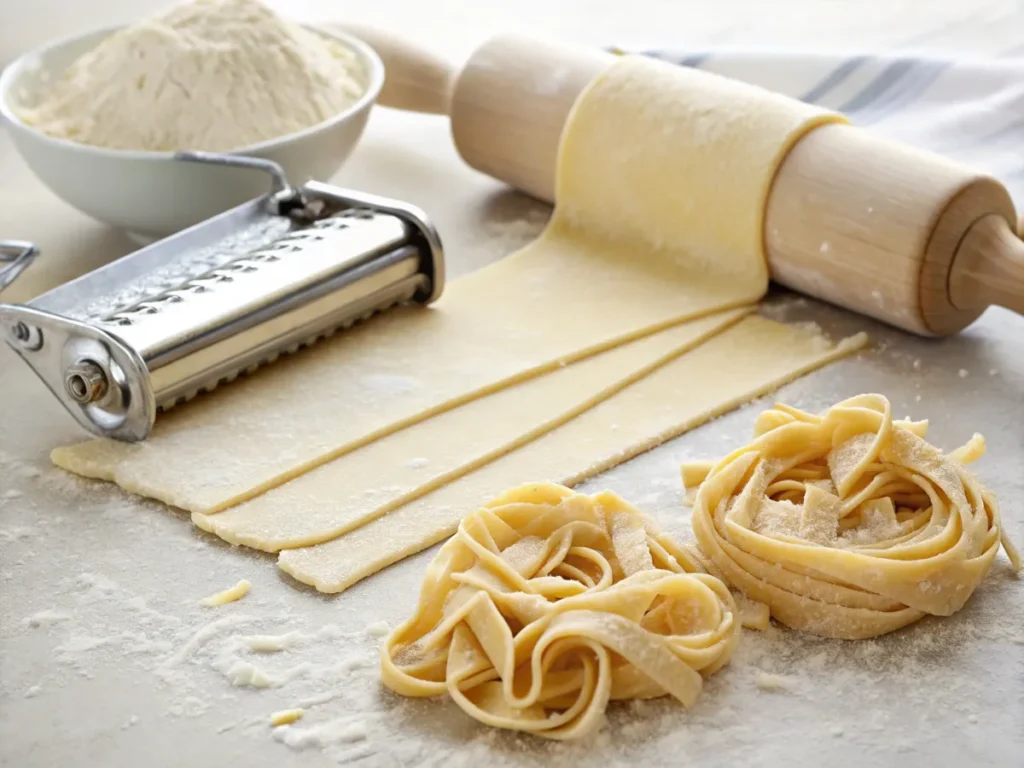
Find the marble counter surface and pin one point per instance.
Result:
(106, 658)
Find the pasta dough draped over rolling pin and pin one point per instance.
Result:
(547, 603)
(848, 524)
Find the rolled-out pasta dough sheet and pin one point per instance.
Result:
(660, 219)
(368, 482)
(747, 360)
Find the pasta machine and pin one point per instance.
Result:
(199, 308)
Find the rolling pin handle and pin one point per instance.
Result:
(416, 79)
(989, 267)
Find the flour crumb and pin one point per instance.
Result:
(993, 371)
(963, 373)
(272, 643)
(917, 364)
(418, 463)
(772, 683)
(355, 732)
(836, 731)
(826, 246)
(12, 494)
(133, 720)
(972, 718)
(243, 674)
(210, 75)
(33, 692)
(378, 629)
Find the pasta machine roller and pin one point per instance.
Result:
(195, 310)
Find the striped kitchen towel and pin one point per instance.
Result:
(969, 111)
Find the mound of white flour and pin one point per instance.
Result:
(210, 75)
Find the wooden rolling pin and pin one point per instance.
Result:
(904, 236)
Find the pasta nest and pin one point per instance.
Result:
(547, 604)
(847, 524)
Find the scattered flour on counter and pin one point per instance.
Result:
(202, 636)
(782, 308)
(190, 706)
(18, 533)
(78, 643)
(242, 673)
(419, 463)
(378, 629)
(209, 671)
(773, 683)
(45, 618)
(342, 730)
(244, 660)
(96, 586)
(504, 236)
(197, 663)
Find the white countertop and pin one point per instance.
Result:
(107, 660)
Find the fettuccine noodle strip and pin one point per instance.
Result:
(547, 604)
(847, 524)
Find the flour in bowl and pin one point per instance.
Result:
(210, 75)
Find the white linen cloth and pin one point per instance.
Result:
(969, 111)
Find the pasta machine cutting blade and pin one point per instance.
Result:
(178, 317)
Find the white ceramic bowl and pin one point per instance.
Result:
(149, 193)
